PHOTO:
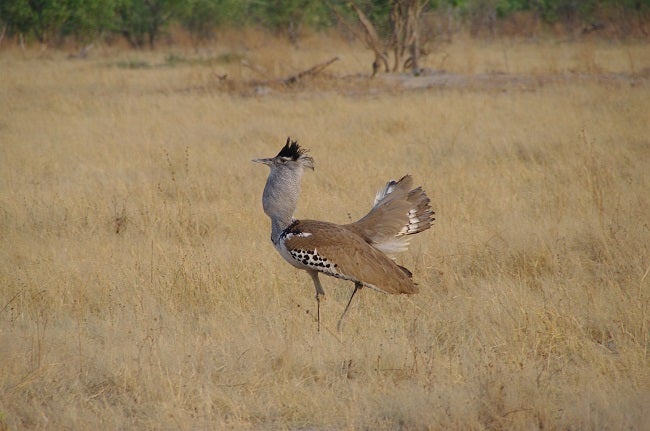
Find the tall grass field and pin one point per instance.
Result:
(139, 288)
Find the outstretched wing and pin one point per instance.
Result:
(398, 211)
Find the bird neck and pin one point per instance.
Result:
(277, 227)
(280, 199)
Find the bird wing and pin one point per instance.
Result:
(334, 250)
(398, 211)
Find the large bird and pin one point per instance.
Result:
(362, 251)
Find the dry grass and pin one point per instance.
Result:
(140, 290)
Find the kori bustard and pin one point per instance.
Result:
(362, 251)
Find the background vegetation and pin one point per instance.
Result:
(139, 288)
(142, 22)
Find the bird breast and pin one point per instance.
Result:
(305, 258)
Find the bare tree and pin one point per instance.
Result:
(373, 40)
(403, 42)
(405, 19)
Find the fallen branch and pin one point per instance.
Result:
(253, 67)
(312, 71)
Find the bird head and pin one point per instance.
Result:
(291, 156)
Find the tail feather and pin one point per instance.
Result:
(390, 187)
(398, 211)
(421, 215)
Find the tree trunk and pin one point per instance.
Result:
(404, 39)
(372, 38)
(414, 28)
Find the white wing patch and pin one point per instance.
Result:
(392, 247)
(382, 193)
(299, 235)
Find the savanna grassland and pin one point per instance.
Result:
(139, 288)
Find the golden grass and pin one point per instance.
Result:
(140, 289)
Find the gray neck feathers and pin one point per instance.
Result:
(281, 197)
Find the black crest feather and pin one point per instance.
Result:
(291, 150)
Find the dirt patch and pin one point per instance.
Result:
(363, 85)
(503, 81)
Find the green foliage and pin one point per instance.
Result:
(142, 21)
(48, 16)
(16, 15)
(41, 18)
(289, 16)
(549, 11)
(201, 17)
(554, 10)
(89, 19)
(506, 7)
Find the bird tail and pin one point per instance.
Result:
(397, 212)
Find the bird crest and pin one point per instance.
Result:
(291, 150)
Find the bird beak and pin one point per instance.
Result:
(263, 161)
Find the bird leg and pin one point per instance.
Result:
(319, 292)
(317, 312)
(357, 286)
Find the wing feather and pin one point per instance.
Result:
(352, 257)
(398, 211)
